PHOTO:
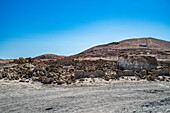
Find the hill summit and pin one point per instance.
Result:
(137, 46)
(48, 56)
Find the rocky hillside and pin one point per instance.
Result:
(48, 56)
(137, 46)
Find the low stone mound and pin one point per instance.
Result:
(46, 74)
(67, 71)
(22, 60)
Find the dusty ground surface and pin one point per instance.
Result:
(106, 97)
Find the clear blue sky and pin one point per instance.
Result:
(66, 27)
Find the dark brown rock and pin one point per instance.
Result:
(46, 80)
(21, 60)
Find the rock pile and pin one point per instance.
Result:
(22, 60)
(67, 71)
(55, 72)
(158, 73)
(40, 72)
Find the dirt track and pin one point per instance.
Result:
(126, 97)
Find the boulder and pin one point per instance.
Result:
(46, 80)
(21, 60)
(16, 61)
(137, 63)
(28, 60)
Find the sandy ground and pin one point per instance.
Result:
(106, 97)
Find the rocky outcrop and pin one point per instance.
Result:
(137, 63)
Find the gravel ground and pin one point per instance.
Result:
(111, 97)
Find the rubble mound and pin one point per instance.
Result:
(67, 71)
(39, 72)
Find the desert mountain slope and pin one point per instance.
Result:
(48, 56)
(137, 46)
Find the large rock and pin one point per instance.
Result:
(137, 63)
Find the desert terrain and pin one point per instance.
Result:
(103, 97)
(120, 79)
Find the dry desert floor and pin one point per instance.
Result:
(104, 97)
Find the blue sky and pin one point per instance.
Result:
(66, 27)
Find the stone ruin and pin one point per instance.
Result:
(67, 71)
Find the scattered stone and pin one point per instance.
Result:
(60, 82)
(82, 79)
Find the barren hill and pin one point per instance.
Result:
(48, 56)
(137, 46)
